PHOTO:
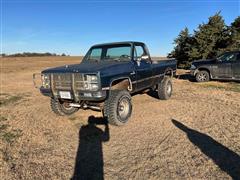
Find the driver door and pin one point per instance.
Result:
(143, 68)
(223, 69)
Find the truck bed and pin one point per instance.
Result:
(160, 66)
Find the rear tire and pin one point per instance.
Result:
(202, 76)
(62, 108)
(165, 88)
(118, 107)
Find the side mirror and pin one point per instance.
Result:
(144, 57)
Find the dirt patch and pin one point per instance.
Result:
(195, 134)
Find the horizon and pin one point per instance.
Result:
(72, 27)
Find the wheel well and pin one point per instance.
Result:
(121, 84)
(205, 69)
(168, 72)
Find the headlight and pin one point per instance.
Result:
(91, 83)
(92, 78)
(46, 81)
(93, 87)
(193, 67)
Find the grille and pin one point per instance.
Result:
(79, 81)
(62, 81)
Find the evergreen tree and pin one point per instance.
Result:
(182, 47)
(208, 37)
(209, 40)
(235, 35)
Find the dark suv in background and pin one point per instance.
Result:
(224, 67)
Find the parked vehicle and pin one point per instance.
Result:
(105, 79)
(224, 67)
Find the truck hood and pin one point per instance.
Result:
(86, 67)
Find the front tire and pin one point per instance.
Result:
(118, 107)
(165, 88)
(62, 108)
(202, 76)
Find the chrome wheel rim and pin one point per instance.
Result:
(123, 108)
(202, 77)
(169, 88)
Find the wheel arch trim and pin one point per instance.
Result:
(130, 87)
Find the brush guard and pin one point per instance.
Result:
(37, 80)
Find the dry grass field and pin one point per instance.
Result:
(194, 135)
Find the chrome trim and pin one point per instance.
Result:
(141, 80)
(52, 86)
(130, 82)
(105, 88)
(34, 80)
(132, 73)
(133, 82)
(75, 94)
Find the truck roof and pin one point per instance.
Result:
(122, 42)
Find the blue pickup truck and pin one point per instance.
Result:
(105, 80)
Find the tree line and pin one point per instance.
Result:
(207, 41)
(32, 54)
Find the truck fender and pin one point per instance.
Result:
(121, 83)
(169, 72)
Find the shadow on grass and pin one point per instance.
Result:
(89, 159)
(226, 159)
(186, 76)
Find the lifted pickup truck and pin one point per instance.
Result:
(105, 79)
(224, 67)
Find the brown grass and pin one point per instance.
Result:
(227, 86)
(194, 135)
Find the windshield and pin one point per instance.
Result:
(109, 53)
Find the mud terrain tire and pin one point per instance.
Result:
(118, 107)
(165, 88)
(62, 108)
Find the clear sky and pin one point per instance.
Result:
(71, 26)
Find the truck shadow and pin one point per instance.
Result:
(226, 159)
(89, 159)
(186, 76)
